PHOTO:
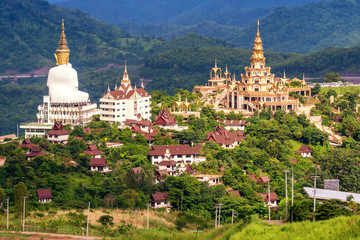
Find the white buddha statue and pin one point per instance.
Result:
(63, 80)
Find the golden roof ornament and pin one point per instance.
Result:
(258, 53)
(126, 75)
(62, 52)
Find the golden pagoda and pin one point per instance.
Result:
(63, 51)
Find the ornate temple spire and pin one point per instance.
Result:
(284, 74)
(142, 83)
(108, 90)
(125, 78)
(234, 78)
(63, 51)
(258, 53)
(115, 86)
(215, 63)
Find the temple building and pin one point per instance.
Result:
(64, 102)
(125, 102)
(258, 88)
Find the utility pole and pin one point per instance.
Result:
(7, 215)
(286, 192)
(232, 216)
(24, 197)
(315, 177)
(216, 216)
(87, 222)
(147, 222)
(219, 222)
(292, 195)
(269, 200)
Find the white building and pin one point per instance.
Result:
(65, 102)
(125, 102)
(177, 153)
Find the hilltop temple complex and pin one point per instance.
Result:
(64, 102)
(258, 88)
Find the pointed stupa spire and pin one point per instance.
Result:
(303, 77)
(284, 74)
(125, 78)
(142, 83)
(226, 69)
(63, 51)
(258, 53)
(234, 78)
(179, 97)
(115, 86)
(108, 90)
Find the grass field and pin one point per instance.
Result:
(341, 90)
(333, 229)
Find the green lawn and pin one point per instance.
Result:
(341, 90)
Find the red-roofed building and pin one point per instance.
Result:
(44, 195)
(178, 153)
(93, 151)
(305, 151)
(274, 200)
(79, 138)
(160, 200)
(26, 143)
(263, 180)
(34, 152)
(252, 176)
(233, 124)
(169, 166)
(293, 160)
(10, 136)
(125, 102)
(165, 118)
(225, 138)
(87, 130)
(99, 164)
(58, 134)
(140, 125)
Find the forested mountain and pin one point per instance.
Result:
(186, 12)
(308, 28)
(31, 29)
(186, 67)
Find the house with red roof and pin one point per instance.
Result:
(263, 180)
(93, 151)
(26, 143)
(169, 165)
(233, 124)
(252, 176)
(137, 170)
(167, 121)
(225, 138)
(142, 125)
(34, 152)
(293, 160)
(177, 153)
(274, 200)
(58, 134)
(305, 151)
(44, 195)
(10, 136)
(160, 200)
(211, 179)
(99, 165)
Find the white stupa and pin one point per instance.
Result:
(65, 102)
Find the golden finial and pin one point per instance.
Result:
(215, 63)
(258, 28)
(226, 69)
(284, 74)
(234, 78)
(126, 75)
(115, 86)
(304, 77)
(63, 51)
(108, 90)
(179, 97)
(142, 83)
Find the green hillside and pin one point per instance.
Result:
(31, 30)
(308, 28)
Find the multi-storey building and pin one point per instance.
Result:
(125, 102)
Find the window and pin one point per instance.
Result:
(123, 103)
(179, 156)
(188, 156)
(268, 99)
(123, 109)
(123, 115)
(156, 157)
(118, 115)
(118, 103)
